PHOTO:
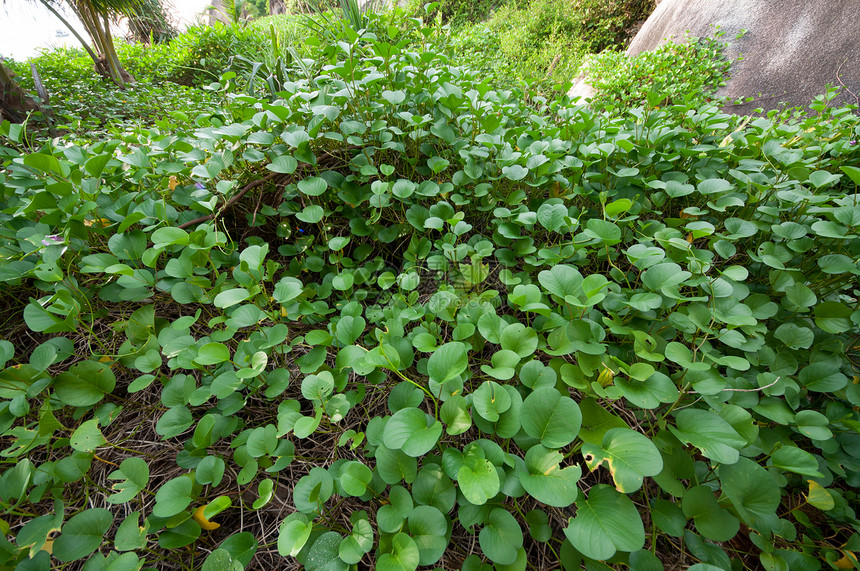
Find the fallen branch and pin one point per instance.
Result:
(229, 203)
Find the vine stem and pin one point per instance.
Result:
(231, 202)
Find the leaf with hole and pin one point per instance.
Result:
(87, 437)
(133, 476)
(545, 480)
(629, 456)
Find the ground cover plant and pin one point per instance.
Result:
(690, 70)
(393, 317)
(537, 41)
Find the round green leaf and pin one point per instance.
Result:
(478, 478)
(404, 555)
(447, 362)
(501, 537)
(293, 534)
(490, 400)
(354, 478)
(428, 527)
(629, 456)
(212, 354)
(550, 417)
(605, 523)
(84, 384)
(82, 534)
(543, 478)
(413, 431)
(712, 521)
(313, 186)
(312, 490)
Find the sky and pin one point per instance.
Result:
(26, 26)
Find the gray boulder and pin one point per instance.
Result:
(792, 48)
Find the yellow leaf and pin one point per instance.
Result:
(848, 560)
(605, 377)
(202, 521)
(48, 546)
(173, 183)
(105, 359)
(819, 497)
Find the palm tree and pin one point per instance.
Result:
(95, 15)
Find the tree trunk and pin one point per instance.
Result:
(15, 103)
(98, 28)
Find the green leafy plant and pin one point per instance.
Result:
(443, 324)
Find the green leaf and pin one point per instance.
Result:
(795, 460)
(82, 534)
(794, 337)
(515, 172)
(391, 516)
(455, 414)
(501, 537)
(712, 435)
(813, 424)
(313, 490)
(413, 431)
(283, 164)
(133, 474)
(84, 384)
(629, 456)
(45, 163)
(428, 527)
(753, 492)
(520, 339)
(130, 535)
(293, 534)
(551, 418)
(241, 546)
(87, 437)
(395, 466)
(605, 523)
(212, 354)
(478, 478)
(265, 492)
(313, 186)
(311, 214)
(353, 548)
(174, 422)
(173, 497)
(447, 362)
(354, 478)
(221, 560)
(168, 236)
(490, 400)
(231, 297)
(183, 534)
(712, 521)
(403, 556)
(543, 478)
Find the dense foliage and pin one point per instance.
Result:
(390, 316)
(541, 41)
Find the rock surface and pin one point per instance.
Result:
(792, 48)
